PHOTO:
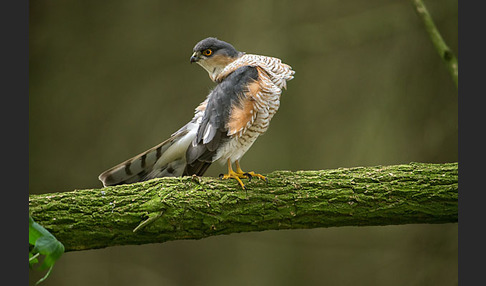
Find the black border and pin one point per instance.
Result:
(15, 134)
(471, 145)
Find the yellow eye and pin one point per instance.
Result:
(207, 52)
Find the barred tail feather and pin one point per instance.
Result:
(168, 159)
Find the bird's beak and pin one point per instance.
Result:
(194, 58)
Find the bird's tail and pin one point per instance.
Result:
(168, 159)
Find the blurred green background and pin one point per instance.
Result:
(110, 79)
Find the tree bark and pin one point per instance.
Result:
(192, 208)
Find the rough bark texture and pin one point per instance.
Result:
(193, 208)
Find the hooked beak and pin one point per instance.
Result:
(194, 58)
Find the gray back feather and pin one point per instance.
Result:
(213, 129)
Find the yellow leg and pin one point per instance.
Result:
(248, 174)
(233, 175)
(240, 174)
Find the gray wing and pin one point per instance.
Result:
(213, 130)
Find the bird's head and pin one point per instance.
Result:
(214, 55)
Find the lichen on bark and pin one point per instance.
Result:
(193, 208)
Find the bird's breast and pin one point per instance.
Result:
(237, 144)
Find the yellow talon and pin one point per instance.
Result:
(249, 175)
(233, 175)
(240, 174)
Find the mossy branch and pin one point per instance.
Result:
(193, 208)
(444, 51)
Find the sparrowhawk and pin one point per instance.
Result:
(224, 126)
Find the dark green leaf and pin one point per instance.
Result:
(51, 248)
(44, 243)
(36, 231)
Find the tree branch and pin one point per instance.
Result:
(193, 208)
(444, 51)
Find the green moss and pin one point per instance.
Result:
(187, 208)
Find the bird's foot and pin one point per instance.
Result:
(242, 175)
(252, 174)
(234, 175)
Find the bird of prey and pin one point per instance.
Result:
(224, 126)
